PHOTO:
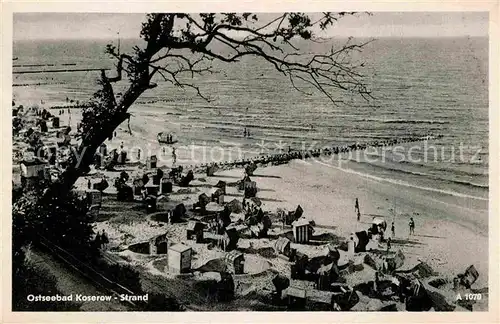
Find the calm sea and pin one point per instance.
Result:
(420, 85)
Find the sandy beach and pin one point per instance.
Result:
(448, 199)
(445, 236)
(451, 228)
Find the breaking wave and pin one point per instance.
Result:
(407, 121)
(406, 184)
(427, 175)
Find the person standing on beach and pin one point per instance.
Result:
(174, 156)
(356, 209)
(98, 240)
(104, 240)
(412, 226)
(376, 282)
(393, 230)
(138, 154)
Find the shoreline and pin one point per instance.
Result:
(447, 236)
(447, 227)
(340, 165)
(451, 229)
(330, 201)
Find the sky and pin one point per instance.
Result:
(34, 26)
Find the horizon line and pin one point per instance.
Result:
(325, 38)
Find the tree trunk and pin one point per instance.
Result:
(92, 141)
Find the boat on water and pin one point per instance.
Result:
(166, 138)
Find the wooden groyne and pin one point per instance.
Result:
(84, 105)
(36, 84)
(40, 65)
(31, 65)
(283, 158)
(59, 71)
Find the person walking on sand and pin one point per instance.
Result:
(393, 230)
(138, 154)
(412, 226)
(356, 209)
(174, 156)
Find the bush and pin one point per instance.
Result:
(161, 303)
(30, 281)
(129, 278)
(65, 222)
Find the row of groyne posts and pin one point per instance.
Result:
(282, 158)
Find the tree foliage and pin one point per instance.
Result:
(31, 281)
(229, 37)
(63, 220)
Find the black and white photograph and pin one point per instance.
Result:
(250, 161)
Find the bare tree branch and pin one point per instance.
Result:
(179, 47)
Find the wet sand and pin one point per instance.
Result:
(449, 235)
(451, 230)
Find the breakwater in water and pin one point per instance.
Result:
(57, 71)
(283, 158)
